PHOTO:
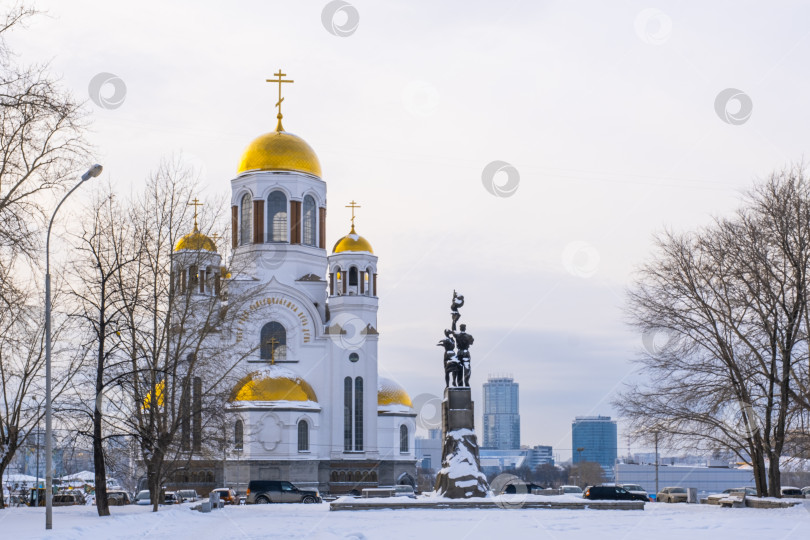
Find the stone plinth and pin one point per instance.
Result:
(460, 476)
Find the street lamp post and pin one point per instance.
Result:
(92, 172)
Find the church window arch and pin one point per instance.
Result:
(239, 434)
(373, 476)
(273, 343)
(353, 276)
(303, 436)
(309, 219)
(347, 414)
(358, 413)
(358, 476)
(247, 217)
(403, 439)
(277, 217)
(333, 477)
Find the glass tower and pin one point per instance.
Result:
(501, 414)
(594, 439)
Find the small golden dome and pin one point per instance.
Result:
(392, 393)
(196, 241)
(273, 384)
(352, 242)
(280, 151)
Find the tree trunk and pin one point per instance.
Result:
(102, 504)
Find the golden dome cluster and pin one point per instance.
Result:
(392, 393)
(196, 241)
(352, 242)
(280, 151)
(273, 384)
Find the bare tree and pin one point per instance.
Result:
(174, 328)
(731, 300)
(22, 364)
(41, 145)
(106, 247)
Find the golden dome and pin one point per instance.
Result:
(391, 393)
(196, 241)
(352, 242)
(273, 384)
(280, 151)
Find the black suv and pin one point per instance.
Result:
(279, 491)
(611, 493)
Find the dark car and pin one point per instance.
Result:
(118, 498)
(279, 491)
(68, 499)
(611, 493)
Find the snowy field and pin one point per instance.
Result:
(657, 521)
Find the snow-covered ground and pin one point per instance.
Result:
(657, 521)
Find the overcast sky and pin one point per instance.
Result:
(606, 110)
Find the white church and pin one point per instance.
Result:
(312, 408)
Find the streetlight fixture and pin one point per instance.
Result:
(92, 172)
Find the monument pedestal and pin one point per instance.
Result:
(460, 476)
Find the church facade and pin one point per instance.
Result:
(311, 407)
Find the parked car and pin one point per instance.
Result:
(672, 495)
(67, 499)
(171, 498)
(116, 497)
(806, 492)
(187, 495)
(226, 495)
(279, 491)
(143, 497)
(792, 492)
(571, 490)
(636, 489)
(609, 493)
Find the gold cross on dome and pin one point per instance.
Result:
(279, 80)
(195, 203)
(353, 205)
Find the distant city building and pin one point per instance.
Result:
(539, 455)
(428, 452)
(501, 414)
(594, 439)
(435, 433)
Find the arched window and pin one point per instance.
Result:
(403, 438)
(353, 276)
(273, 342)
(277, 217)
(342, 476)
(309, 220)
(239, 434)
(209, 477)
(358, 413)
(247, 217)
(303, 436)
(373, 477)
(347, 414)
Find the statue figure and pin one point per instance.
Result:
(458, 302)
(464, 341)
(451, 364)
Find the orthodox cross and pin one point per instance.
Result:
(280, 80)
(195, 203)
(353, 205)
(272, 342)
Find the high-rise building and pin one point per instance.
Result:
(501, 414)
(594, 439)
